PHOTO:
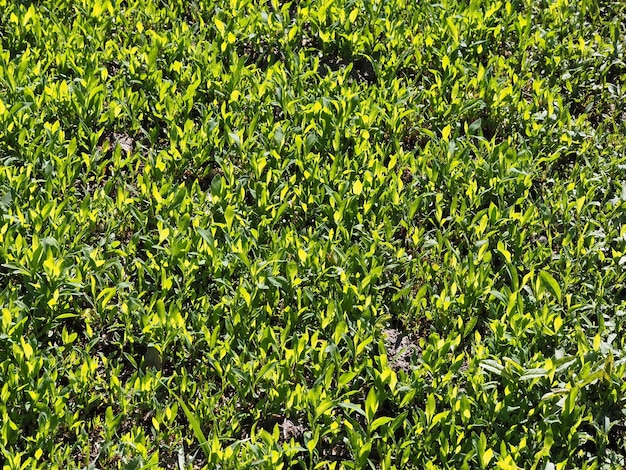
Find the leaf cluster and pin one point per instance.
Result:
(317, 234)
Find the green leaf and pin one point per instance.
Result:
(105, 296)
(486, 457)
(206, 235)
(346, 377)
(378, 422)
(492, 366)
(195, 424)
(160, 310)
(235, 139)
(323, 407)
(536, 373)
(353, 407)
(371, 404)
(430, 407)
(569, 405)
(229, 215)
(549, 281)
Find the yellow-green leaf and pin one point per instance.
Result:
(445, 62)
(371, 404)
(229, 215)
(221, 27)
(445, 132)
(430, 407)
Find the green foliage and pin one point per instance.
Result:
(317, 234)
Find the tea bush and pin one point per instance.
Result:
(317, 234)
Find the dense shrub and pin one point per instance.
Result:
(317, 234)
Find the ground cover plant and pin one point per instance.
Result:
(316, 234)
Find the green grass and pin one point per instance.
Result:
(341, 234)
